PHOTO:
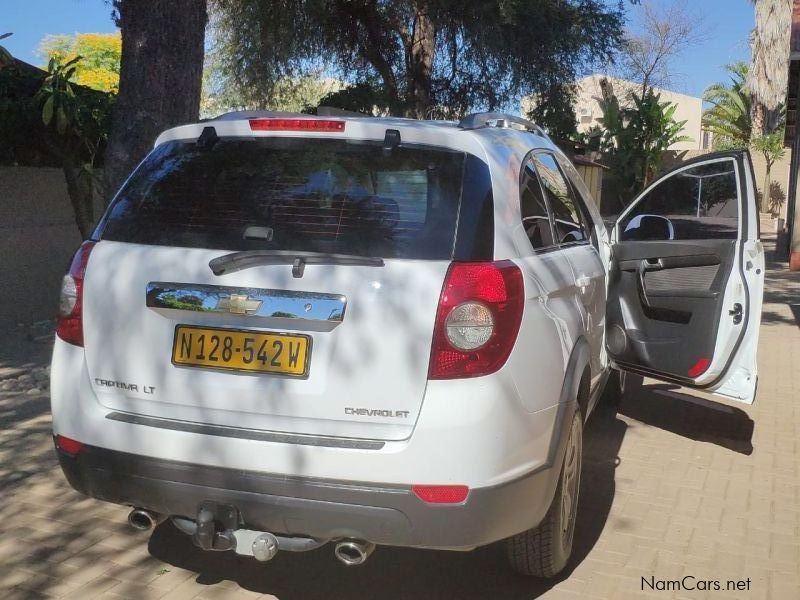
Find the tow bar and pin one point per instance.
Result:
(217, 527)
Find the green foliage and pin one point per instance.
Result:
(729, 117)
(770, 145)
(77, 126)
(635, 136)
(81, 120)
(427, 57)
(290, 94)
(58, 95)
(100, 57)
(5, 55)
(366, 97)
(555, 111)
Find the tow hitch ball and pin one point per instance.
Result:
(206, 535)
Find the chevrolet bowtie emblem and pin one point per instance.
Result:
(239, 304)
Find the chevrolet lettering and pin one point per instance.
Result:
(376, 412)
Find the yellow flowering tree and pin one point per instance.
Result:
(100, 55)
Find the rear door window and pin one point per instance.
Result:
(569, 224)
(535, 216)
(321, 195)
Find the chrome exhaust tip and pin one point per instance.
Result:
(142, 519)
(353, 552)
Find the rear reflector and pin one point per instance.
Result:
(441, 494)
(699, 367)
(68, 446)
(296, 125)
(69, 325)
(478, 319)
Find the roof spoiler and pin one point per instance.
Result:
(499, 119)
(322, 111)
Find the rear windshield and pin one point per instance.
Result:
(320, 195)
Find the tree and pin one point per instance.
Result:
(730, 119)
(290, 94)
(771, 147)
(427, 56)
(665, 33)
(5, 55)
(77, 122)
(554, 109)
(160, 77)
(769, 48)
(729, 116)
(100, 56)
(636, 137)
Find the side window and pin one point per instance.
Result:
(569, 224)
(535, 217)
(698, 203)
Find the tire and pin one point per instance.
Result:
(544, 550)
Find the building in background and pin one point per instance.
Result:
(689, 108)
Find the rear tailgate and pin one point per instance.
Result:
(348, 345)
(366, 374)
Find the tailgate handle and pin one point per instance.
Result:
(246, 302)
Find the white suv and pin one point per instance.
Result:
(290, 330)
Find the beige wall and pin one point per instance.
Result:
(689, 108)
(38, 236)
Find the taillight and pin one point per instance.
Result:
(296, 125)
(478, 319)
(69, 326)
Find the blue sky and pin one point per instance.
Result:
(727, 22)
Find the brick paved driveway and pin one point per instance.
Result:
(674, 485)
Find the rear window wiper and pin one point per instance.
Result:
(236, 261)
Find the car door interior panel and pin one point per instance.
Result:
(666, 298)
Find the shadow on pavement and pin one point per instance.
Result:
(664, 406)
(406, 573)
(25, 347)
(24, 454)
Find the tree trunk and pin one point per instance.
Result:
(81, 194)
(757, 119)
(160, 77)
(420, 62)
(765, 191)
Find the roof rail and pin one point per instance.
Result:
(483, 119)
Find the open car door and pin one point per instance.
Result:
(687, 278)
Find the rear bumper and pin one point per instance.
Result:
(319, 508)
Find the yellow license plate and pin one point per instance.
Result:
(242, 350)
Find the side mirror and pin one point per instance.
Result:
(648, 227)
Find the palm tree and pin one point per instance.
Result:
(730, 120)
(769, 45)
(729, 117)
